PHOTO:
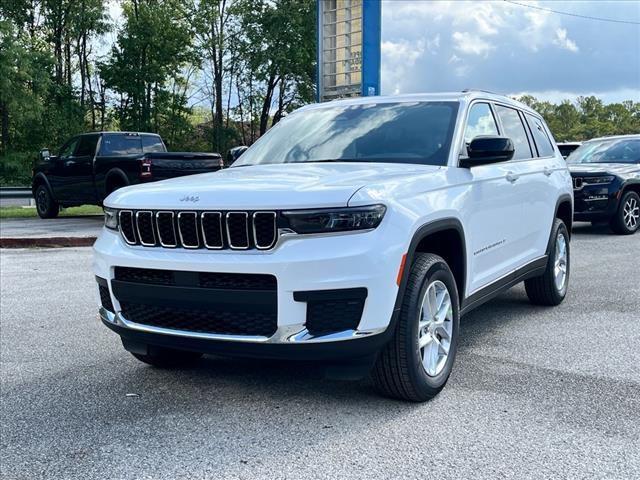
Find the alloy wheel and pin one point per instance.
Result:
(560, 262)
(42, 201)
(435, 327)
(631, 213)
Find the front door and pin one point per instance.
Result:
(493, 209)
(58, 177)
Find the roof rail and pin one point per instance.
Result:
(468, 90)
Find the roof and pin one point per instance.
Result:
(115, 132)
(615, 137)
(465, 95)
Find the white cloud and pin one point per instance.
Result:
(398, 58)
(505, 47)
(563, 41)
(471, 44)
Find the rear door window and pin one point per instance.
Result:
(514, 129)
(123, 144)
(542, 141)
(152, 143)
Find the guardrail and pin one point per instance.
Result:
(15, 192)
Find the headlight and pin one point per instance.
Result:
(111, 218)
(335, 219)
(598, 180)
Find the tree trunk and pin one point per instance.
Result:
(266, 104)
(4, 135)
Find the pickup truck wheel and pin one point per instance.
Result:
(627, 218)
(46, 206)
(416, 363)
(550, 288)
(168, 357)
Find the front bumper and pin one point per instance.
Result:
(596, 202)
(300, 264)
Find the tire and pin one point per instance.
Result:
(627, 218)
(114, 184)
(551, 287)
(401, 368)
(167, 357)
(46, 206)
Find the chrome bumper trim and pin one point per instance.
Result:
(284, 334)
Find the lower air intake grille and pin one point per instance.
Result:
(202, 321)
(105, 298)
(329, 316)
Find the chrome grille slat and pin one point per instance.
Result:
(183, 229)
(144, 218)
(235, 229)
(126, 226)
(259, 235)
(165, 219)
(215, 218)
(213, 230)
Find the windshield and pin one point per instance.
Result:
(614, 150)
(418, 132)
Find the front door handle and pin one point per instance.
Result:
(512, 177)
(69, 163)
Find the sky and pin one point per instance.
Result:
(430, 46)
(512, 49)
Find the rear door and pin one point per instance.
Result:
(542, 185)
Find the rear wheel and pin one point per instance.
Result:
(167, 357)
(550, 288)
(627, 218)
(416, 363)
(46, 206)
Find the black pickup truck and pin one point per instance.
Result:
(91, 166)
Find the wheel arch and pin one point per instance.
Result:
(564, 211)
(40, 179)
(446, 238)
(630, 187)
(115, 176)
(425, 236)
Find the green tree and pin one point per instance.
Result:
(153, 48)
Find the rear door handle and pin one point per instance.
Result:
(512, 177)
(547, 171)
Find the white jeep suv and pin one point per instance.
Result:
(356, 232)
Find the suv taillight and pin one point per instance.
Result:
(145, 168)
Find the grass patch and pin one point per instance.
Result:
(30, 212)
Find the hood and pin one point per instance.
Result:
(279, 186)
(612, 168)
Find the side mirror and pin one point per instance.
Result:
(485, 150)
(45, 155)
(235, 153)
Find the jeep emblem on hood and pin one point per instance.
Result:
(190, 198)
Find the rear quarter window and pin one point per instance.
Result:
(540, 137)
(152, 143)
(113, 145)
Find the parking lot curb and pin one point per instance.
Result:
(48, 242)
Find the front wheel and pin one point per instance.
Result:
(46, 206)
(550, 288)
(416, 363)
(627, 218)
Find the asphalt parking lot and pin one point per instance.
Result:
(535, 393)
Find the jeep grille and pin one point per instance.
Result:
(214, 230)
